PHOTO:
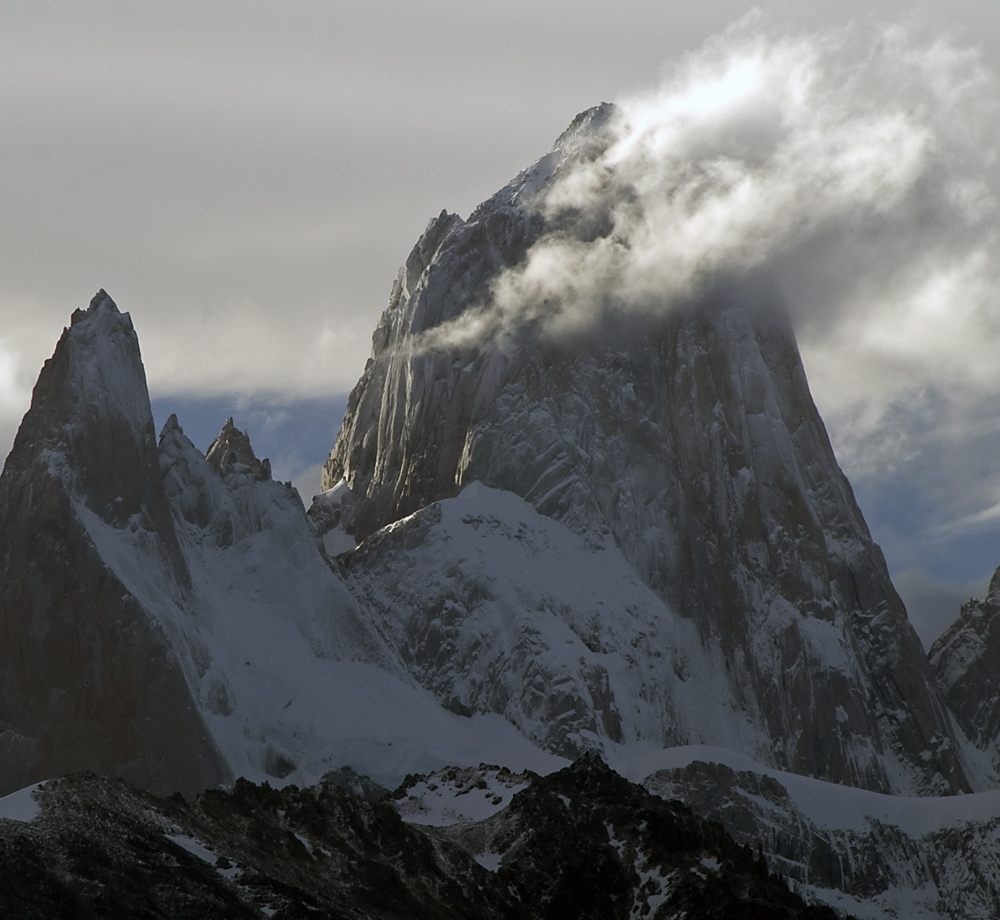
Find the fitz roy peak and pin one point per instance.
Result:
(689, 451)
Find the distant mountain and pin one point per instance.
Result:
(966, 661)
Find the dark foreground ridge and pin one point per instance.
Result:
(580, 843)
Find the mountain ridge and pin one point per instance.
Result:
(689, 441)
(534, 545)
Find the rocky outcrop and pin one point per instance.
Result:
(88, 679)
(884, 857)
(690, 442)
(966, 662)
(232, 450)
(582, 843)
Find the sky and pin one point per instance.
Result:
(245, 179)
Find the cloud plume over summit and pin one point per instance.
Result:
(852, 170)
(851, 173)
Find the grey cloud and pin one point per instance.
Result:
(760, 148)
(854, 172)
(245, 180)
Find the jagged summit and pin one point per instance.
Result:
(691, 444)
(88, 679)
(231, 451)
(91, 420)
(100, 301)
(587, 136)
(589, 127)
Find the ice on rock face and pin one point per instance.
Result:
(495, 608)
(692, 444)
(966, 661)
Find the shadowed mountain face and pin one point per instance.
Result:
(96, 848)
(966, 661)
(690, 443)
(89, 679)
(167, 617)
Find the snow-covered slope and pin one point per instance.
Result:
(875, 856)
(688, 443)
(172, 619)
(496, 608)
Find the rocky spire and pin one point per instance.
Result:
(87, 677)
(91, 419)
(691, 441)
(231, 452)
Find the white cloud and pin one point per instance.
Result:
(15, 392)
(852, 170)
(765, 154)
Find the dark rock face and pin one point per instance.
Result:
(583, 842)
(692, 442)
(966, 661)
(232, 450)
(98, 848)
(87, 677)
(878, 856)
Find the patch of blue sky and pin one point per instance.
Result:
(295, 434)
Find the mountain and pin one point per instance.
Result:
(687, 444)
(89, 679)
(172, 619)
(87, 847)
(626, 542)
(966, 662)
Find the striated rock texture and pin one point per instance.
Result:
(691, 443)
(87, 678)
(966, 661)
